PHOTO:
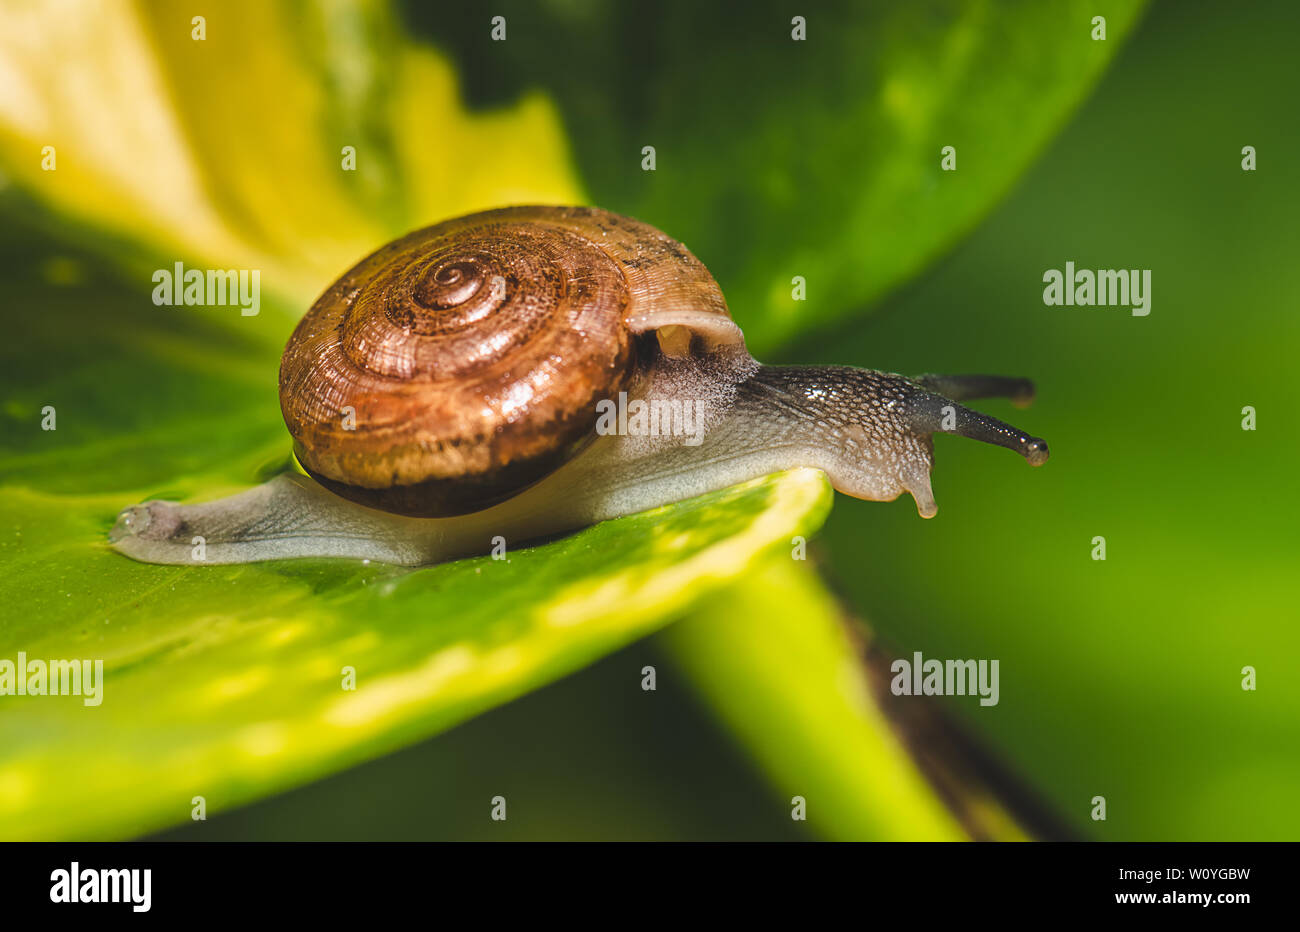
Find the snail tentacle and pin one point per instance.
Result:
(970, 387)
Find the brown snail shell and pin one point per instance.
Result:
(463, 362)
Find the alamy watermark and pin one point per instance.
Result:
(657, 417)
(920, 677)
(179, 286)
(80, 884)
(1086, 288)
(25, 677)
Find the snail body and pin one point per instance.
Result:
(528, 371)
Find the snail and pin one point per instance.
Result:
(529, 371)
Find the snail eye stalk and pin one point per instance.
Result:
(935, 410)
(970, 387)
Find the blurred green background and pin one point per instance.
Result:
(1118, 678)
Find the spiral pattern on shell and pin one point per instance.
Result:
(457, 364)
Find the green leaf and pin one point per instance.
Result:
(777, 158)
(227, 682)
